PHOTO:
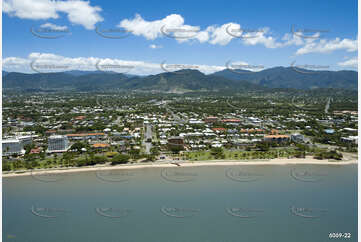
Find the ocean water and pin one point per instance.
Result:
(288, 203)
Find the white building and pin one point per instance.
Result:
(58, 143)
(25, 140)
(350, 139)
(11, 146)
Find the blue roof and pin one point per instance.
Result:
(329, 131)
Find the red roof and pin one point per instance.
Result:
(218, 129)
(231, 120)
(35, 151)
(100, 145)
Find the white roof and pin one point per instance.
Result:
(10, 141)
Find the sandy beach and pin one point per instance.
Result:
(164, 164)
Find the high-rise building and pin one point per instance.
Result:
(11, 146)
(58, 143)
(25, 140)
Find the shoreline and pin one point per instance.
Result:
(166, 164)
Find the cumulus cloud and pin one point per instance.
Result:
(353, 62)
(220, 35)
(173, 26)
(48, 62)
(151, 29)
(78, 12)
(328, 46)
(262, 38)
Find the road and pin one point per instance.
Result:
(327, 105)
(147, 135)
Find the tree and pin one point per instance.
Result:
(6, 166)
(217, 152)
(154, 151)
(120, 159)
(263, 146)
(78, 146)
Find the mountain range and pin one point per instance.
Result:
(181, 81)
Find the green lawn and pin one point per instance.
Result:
(241, 154)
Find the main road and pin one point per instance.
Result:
(147, 135)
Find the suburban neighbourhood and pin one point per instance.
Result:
(46, 131)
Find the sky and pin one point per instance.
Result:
(149, 37)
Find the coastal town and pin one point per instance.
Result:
(73, 130)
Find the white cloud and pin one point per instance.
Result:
(153, 46)
(328, 46)
(54, 63)
(150, 29)
(78, 12)
(219, 35)
(215, 35)
(261, 38)
(53, 26)
(349, 63)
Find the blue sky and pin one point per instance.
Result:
(209, 35)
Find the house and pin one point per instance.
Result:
(100, 145)
(176, 142)
(329, 131)
(36, 150)
(350, 139)
(211, 120)
(276, 138)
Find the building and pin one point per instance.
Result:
(100, 146)
(11, 146)
(329, 131)
(211, 120)
(36, 150)
(298, 138)
(86, 136)
(176, 142)
(25, 140)
(350, 139)
(58, 143)
(276, 138)
(231, 120)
